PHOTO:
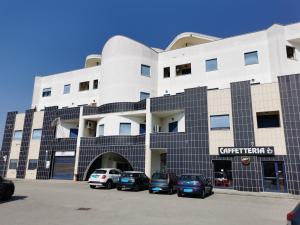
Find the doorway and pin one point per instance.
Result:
(222, 173)
(274, 176)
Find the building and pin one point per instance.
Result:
(227, 108)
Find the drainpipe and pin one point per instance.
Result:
(147, 139)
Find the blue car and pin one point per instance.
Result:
(163, 182)
(194, 184)
(293, 217)
(133, 180)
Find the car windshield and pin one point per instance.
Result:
(190, 177)
(130, 174)
(159, 176)
(100, 172)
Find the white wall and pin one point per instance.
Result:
(57, 82)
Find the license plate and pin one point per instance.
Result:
(125, 180)
(94, 176)
(188, 190)
(156, 189)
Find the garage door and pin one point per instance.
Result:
(63, 168)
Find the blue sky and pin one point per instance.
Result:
(46, 37)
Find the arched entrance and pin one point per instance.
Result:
(107, 160)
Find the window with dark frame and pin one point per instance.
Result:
(32, 164)
(183, 69)
(13, 164)
(290, 52)
(46, 92)
(173, 127)
(167, 72)
(145, 70)
(268, 119)
(219, 122)
(95, 84)
(67, 88)
(211, 64)
(251, 58)
(84, 86)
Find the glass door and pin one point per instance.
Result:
(274, 177)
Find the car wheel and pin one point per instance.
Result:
(119, 188)
(202, 194)
(179, 194)
(108, 184)
(92, 186)
(170, 191)
(8, 194)
(150, 191)
(136, 188)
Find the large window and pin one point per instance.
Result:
(125, 129)
(290, 52)
(268, 119)
(13, 164)
(101, 130)
(84, 86)
(211, 65)
(219, 122)
(166, 72)
(37, 134)
(73, 133)
(18, 135)
(251, 58)
(67, 88)
(32, 164)
(144, 95)
(183, 69)
(173, 127)
(145, 70)
(46, 92)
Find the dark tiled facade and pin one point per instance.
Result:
(27, 127)
(7, 139)
(131, 148)
(49, 144)
(289, 87)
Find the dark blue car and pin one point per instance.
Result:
(293, 217)
(194, 184)
(133, 180)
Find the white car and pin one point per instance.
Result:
(104, 177)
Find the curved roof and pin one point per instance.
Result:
(92, 60)
(189, 39)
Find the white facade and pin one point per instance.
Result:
(118, 68)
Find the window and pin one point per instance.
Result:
(37, 134)
(173, 127)
(142, 128)
(95, 84)
(219, 122)
(32, 164)
(73, 133)
(145, 70)
(251, 58)
(101, 130)
(211, 65)
(144, 95)
(46, 92)
(290, 52)
(268, 119)
(84, 86)
(183, 69)
(13, 164)
(67, 89)
(166, 72)
(18, 135)
(125, 129)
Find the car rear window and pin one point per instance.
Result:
(159, 176)
(100, 172)
(190, 177)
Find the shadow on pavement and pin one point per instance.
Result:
(14, 198)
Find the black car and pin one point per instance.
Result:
(163, 182)
(133, 180)
(293, 217)
(7, 189)
(194, 184)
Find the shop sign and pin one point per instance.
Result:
(250, 151)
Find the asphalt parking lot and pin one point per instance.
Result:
(58, 202)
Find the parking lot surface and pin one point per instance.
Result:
(64, 203)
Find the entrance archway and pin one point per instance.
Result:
(107, 160)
